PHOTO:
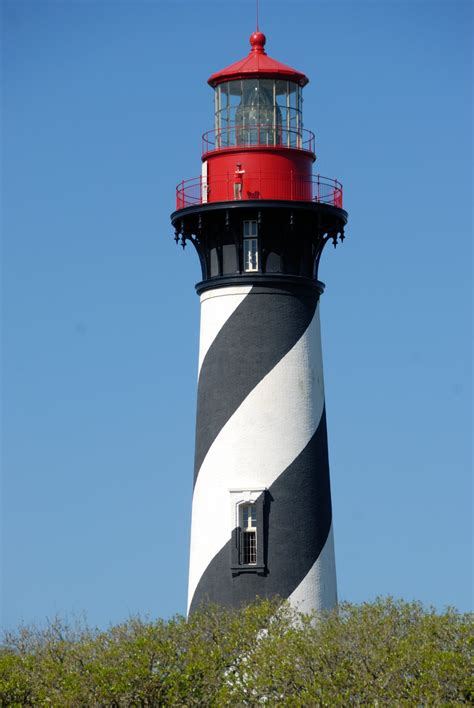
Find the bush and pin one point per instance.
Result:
(382, 653)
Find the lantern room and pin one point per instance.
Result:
(258, 125)
(258, 112)
(258, 101)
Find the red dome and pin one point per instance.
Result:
(258, 65)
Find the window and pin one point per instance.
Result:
(248, 553)
(248, 526)
(250, 246)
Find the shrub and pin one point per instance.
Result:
(382, 653)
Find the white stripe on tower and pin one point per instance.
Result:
(216, 308)
(318, 589)
(270, 436)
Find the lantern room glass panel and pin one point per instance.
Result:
(247, 114)
(235, 99)
(255, 112)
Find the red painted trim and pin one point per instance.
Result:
(223, 76)
(256, 148)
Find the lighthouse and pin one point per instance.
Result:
(259, 216)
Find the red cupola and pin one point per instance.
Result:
(258, 64)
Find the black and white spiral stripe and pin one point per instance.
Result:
(261, 425)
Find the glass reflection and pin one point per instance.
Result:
(257, 120)
(258, 112)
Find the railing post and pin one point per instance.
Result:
(319, 189)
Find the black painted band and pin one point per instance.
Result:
(260, 204)
(293, 283)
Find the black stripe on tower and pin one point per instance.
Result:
(258, 334)
(297, 522)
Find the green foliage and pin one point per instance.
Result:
(381, 653)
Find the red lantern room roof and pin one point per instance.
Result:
(258, 64)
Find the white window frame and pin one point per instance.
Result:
(240, 498)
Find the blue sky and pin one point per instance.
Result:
(104, 103)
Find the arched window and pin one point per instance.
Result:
(248, 536)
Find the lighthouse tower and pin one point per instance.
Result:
(259, 218)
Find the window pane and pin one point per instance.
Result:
(292, 92)
(266, 112)
(224, 95)
(249, 548)
(223, 135)
(281, 88)
(266, 90)
(247, 114)
(254, 251)
(250, 228)
(232, 114)
(235, 92)
(294, 127)
(250, 254)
